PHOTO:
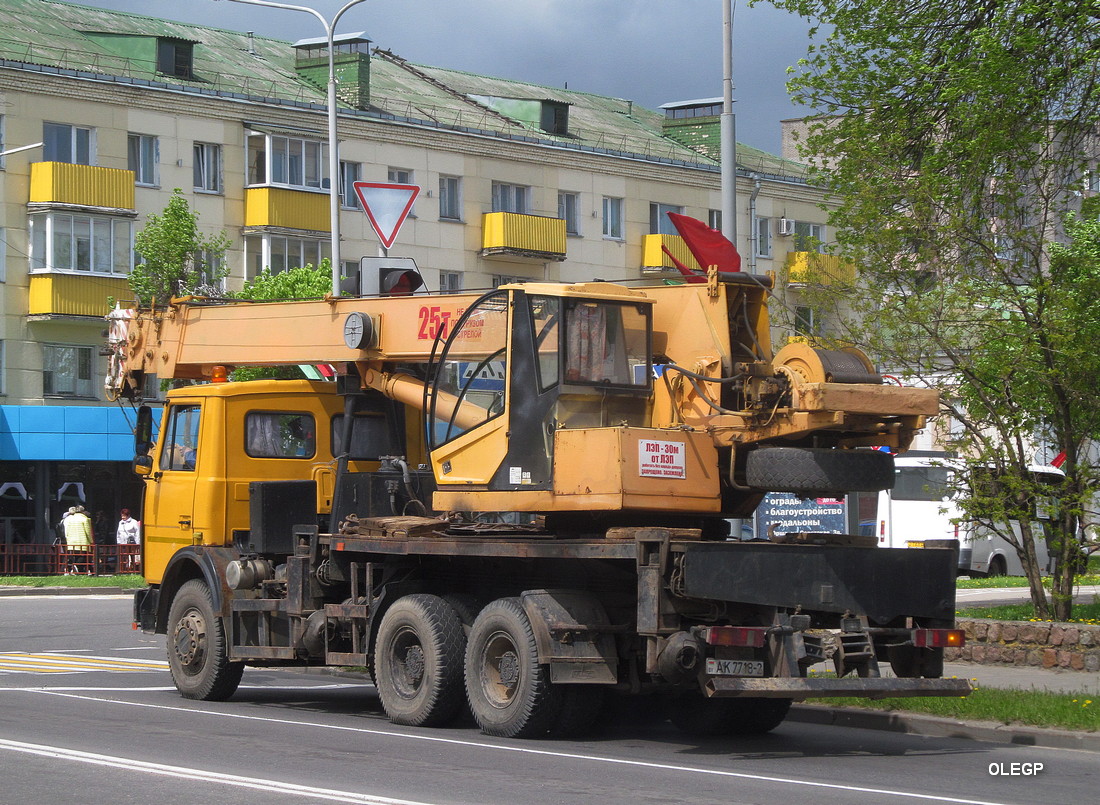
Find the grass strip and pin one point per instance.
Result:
(1068, 711)
(126, 581)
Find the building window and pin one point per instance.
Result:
(510, 198)
(350, 173)
(568, 211)
(714, 219)
(450, 200)
(402, 176)
(66, 370)
(763, 237)
(141, 158)
(505, 279)
(613, 218)
(208, 167)
(807, 322)
(659, 222)
(809, 237)
(64, 143)
(94, 243)
(450, 281)
(280, 254)
(287, 161)
(175, 57)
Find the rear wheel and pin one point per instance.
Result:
(198, 655)
(509, 692)
(812, 469)
(418, 661)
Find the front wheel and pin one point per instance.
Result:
(198, 653)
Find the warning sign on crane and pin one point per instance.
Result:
(387, 206)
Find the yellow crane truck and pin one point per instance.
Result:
(519, 501)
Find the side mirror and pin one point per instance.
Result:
(142, 465)
(143, 432)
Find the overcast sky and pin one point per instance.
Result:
(648, 51)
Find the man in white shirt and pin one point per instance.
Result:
(128, 533)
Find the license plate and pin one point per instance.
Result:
(914, 544)
(735, 667)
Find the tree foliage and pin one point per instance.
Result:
(953, 137)
(176, 258)
(305, 282)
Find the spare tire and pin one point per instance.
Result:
(812, 470)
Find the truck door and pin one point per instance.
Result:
(170, 494)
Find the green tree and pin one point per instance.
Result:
(177, 259)
(952, 137)
(305, 282)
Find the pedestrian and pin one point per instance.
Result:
(78, 539)
(128, 533)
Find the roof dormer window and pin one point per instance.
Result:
(176, 57)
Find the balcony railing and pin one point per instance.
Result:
(518, 235)
(811, 268)
(283, 207)
(83, 185)
(654, 258)
(74, 294)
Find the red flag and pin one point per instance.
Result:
(708, 246)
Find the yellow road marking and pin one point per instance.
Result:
(23, 662)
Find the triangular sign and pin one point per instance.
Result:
(386, 206)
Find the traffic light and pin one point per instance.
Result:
(399, 281)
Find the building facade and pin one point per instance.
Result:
(517, 182)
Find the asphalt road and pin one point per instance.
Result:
(89, 716)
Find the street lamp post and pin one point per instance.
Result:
(333, 147)
(728, 130)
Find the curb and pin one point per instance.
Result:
(934, 727)
(14, 591)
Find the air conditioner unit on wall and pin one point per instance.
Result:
(786, 226)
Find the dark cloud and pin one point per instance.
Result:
(645, 51)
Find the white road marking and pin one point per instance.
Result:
(267, 786)
(641, 764)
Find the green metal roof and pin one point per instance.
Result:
(62, 36)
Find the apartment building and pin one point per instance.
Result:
(517, 182)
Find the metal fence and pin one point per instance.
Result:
(60, 560)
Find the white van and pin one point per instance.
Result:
(919, 510)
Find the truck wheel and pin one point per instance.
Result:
(418, 661)
(696, 715)
(510, 694)
(813, 470)
(198, 654)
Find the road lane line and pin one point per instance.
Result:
(643, 764)
(269, 786)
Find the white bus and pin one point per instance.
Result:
(919, 512)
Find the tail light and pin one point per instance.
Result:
(751, 636)
(939, 638)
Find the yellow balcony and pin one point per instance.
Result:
(811, 268)
(74, 294)
(653, 257)
(518, 235)
(85, 185)
(293, 209)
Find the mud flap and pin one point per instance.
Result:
(573, 636)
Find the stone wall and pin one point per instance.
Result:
(1069, 646)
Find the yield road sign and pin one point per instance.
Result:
(386, 206)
